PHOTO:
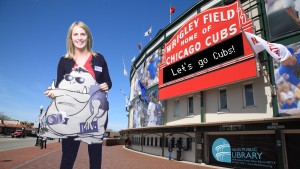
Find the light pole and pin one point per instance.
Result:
(36, 142)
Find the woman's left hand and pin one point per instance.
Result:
(104, 86)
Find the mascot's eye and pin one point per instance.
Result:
(68, 77)
(79, 80)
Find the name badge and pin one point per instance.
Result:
(98, 69)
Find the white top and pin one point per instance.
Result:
(288, 95)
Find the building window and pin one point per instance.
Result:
(248, 93)
(176, 108)
(155, 142)
(160, 142)
(223, 99)
(148, 143)
(151, 141)
(190, 106)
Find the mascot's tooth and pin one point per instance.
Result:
(84, 90)
(53, 86)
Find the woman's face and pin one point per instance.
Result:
(79, 38)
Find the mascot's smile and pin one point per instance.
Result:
(72, 102)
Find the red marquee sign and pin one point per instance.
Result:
(208, 51)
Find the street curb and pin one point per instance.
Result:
(166, 158)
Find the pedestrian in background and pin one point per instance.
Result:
(179, 146)
(170, 149)
(44, 143)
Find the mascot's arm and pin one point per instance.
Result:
(95, 111)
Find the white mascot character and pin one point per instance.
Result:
(78, 108)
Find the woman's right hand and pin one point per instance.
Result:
(49, 93)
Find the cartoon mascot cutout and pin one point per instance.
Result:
(79, 108)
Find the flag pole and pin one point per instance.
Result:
(125, 96)
(140, 47)
(170, 13)
(150, 32)
(125, 72)
(123, 62)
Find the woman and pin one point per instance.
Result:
(80, 54)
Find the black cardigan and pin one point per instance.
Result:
(65, 66)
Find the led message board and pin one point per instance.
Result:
(225, 51)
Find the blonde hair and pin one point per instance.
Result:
(70, 47)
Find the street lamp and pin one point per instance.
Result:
(41, 111)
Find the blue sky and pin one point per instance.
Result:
(33, 36)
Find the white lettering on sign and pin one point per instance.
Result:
(206, 29)
(183, 67)
(219, 36)
(183, 53)
(188, 28)
(218, 16)
(223, 53)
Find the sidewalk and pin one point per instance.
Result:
(114, 157)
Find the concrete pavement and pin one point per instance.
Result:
(114, 157)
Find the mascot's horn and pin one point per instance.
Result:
(53, 86)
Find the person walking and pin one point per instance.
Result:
(170, 149)
(44, 143)
(179, 146)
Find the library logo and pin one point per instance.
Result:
(221, 150)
